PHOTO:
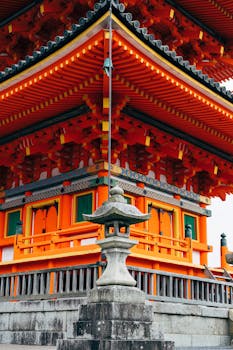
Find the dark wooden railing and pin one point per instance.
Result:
(77, 280)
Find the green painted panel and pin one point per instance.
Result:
(191, 220)
(12, 219)
(83, 206)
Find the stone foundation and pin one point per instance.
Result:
(43, 322)
(112, 325)
(192, 325)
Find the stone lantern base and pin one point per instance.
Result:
(118, 294)
(115, 318)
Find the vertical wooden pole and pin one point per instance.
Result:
(203, 235)
(101, 197)
(140, 204)
(2, 225)
(66, 208)
(156, 266)
(223, 251)
(189, 285)
(102, 190)
(52, 288)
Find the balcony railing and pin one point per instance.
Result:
(170, 247)
(55, 242)
(82, 236)
(77, 280)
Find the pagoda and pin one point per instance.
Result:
(171, 127)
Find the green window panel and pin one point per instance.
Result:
(12, 220)
(191, 220)
(83, 206)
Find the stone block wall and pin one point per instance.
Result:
(39, 322)
(192, 325)
(42, 322)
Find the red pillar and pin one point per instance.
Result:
(2, 225)
(223, 251)
(203, 236)
(65, 208)
(140, 204)
(102, 190)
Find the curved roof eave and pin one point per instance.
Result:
(101, 8)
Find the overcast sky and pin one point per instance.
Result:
(221, 220)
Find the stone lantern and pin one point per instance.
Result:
(116, 216)
(115, 315)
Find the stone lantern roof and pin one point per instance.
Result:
(117, 209)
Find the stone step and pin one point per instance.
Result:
(25, 347)
(205, 348)
(110, 344)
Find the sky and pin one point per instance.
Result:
(221, 220)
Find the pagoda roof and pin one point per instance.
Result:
(155, 79)
(12, 8)
(134, 26)
(56, 100)
(199, 30)
(215, 15)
